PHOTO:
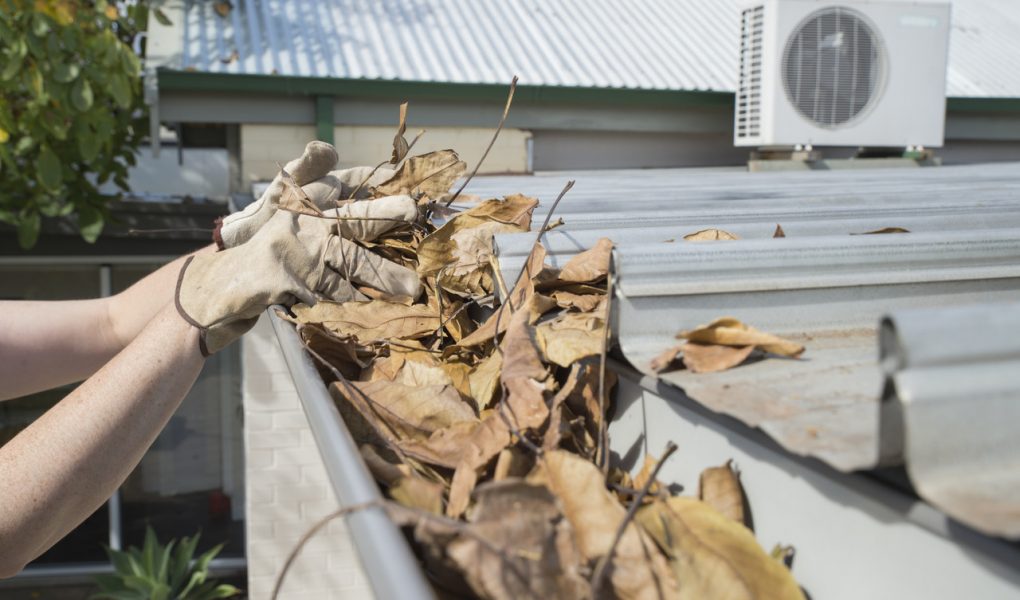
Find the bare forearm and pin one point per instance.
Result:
(131, 310)
(48, 344)
(65, 465)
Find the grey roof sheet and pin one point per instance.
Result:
(640, 44)
(820, 286)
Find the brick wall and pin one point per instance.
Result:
(287, 487)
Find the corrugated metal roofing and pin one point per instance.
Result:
(646, 44)
(819, 285)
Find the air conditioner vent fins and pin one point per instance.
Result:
(832, 66)
(748, 122)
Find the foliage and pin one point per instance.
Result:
(71, 112)
(158, 572)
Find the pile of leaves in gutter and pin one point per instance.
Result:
(481, 407)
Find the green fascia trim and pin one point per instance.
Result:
(983, 104)
(196, 81)
(324, 118)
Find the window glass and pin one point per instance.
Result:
(85, 543)
(191, 479)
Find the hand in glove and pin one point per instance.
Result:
(293, 257)
(323, 186)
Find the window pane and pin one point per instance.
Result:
(85, 543)
(193, 476)
(49, 283)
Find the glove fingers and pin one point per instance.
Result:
(236, 229)
(366, 268)
(316, 161)
(336, 288)
(365, 221)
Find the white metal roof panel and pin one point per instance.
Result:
(638, 44)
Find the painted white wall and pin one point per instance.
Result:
(288, 490)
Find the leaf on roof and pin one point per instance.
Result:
(589, 266)
(884, 230)
(710, 235)
(728, 331)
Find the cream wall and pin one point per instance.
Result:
(288, 490)
(263, 146)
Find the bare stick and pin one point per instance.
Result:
(600, 569)
(506, 111)
(311, 532)
(602, 455)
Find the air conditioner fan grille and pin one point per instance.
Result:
(832, 66)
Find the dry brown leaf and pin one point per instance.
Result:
(720, 488)
(459, 375)
(589, 266)
(711, 358)
(342, 352)
(223, 8)
(645, 473)
(665, 359)
(731, 332)
(484, 380)
(512, 462)
(712, 556)
(400, 146)
(536, 555)
(384, 471)
(416, 492)
(294, 199)
(884, 230)
(580, 302)
(779, 233)
(523, 374)
(571, 337)
(460, 251)
(411, 412)
(372, 320)
(474, 443)
(636, 569)
(710, 235)
(465, 477)
(427, 175)
(522, 297)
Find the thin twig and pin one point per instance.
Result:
(600, 569)
(506, 111)
(175, 230)
(603, 443)
(311, 532)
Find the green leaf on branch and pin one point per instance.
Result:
(90, 222)
(81, 95)
(28, 230)
(48, 168)
(65, 73)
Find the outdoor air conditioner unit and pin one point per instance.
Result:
(842, 73)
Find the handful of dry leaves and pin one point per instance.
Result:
(481, 410)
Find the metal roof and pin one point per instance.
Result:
(637, 44)
(825, 288)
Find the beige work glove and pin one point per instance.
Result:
(293, 257)
(326, 188)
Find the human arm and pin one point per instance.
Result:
(48, 344)
(62, 467)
